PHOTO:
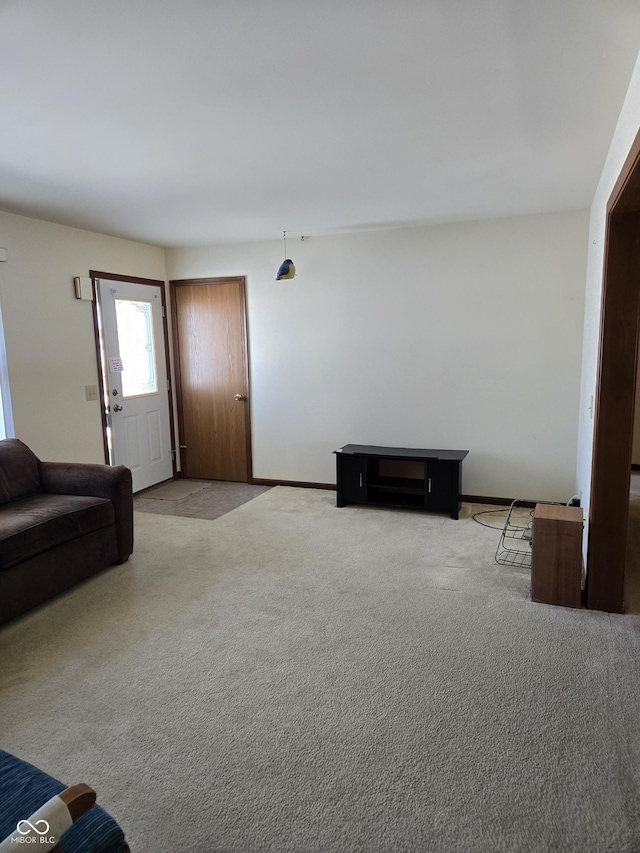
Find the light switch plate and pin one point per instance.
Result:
(91, 392)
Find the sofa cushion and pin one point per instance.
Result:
(19, 473)
(32, 525)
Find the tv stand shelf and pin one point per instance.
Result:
(409, 478)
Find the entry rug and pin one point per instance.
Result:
(175, 490)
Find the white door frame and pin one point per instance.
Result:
(101, 356)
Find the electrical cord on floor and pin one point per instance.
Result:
(488, 512)
(506, 509)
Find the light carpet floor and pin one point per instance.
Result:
(297, 677)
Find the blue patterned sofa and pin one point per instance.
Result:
(24, 789)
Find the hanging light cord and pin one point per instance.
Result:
(284, 240)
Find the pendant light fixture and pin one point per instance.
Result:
(287, 268)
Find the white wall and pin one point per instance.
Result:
(49, 334)
(626, 131)
(464, 336)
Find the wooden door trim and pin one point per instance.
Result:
(132, 279)
(101, 372)
(627, 175)
(615, 391)
(95, 274)
(240, 280)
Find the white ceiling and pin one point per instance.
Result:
(182, 122)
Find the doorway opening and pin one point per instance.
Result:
(615, 393)
(632, 559)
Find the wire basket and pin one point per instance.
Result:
(514, 547)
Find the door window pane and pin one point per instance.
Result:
(137, 351)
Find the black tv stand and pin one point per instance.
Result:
(409, 478)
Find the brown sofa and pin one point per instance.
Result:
(60, 523)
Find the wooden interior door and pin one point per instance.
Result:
(210, 345)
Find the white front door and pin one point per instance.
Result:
(138, 424)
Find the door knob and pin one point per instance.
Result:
(117, 408)
(238, 396)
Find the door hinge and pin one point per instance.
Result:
(168, 385)
(163, 314)
(172, 453)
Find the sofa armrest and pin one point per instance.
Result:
(46, 825)
(100, 481)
